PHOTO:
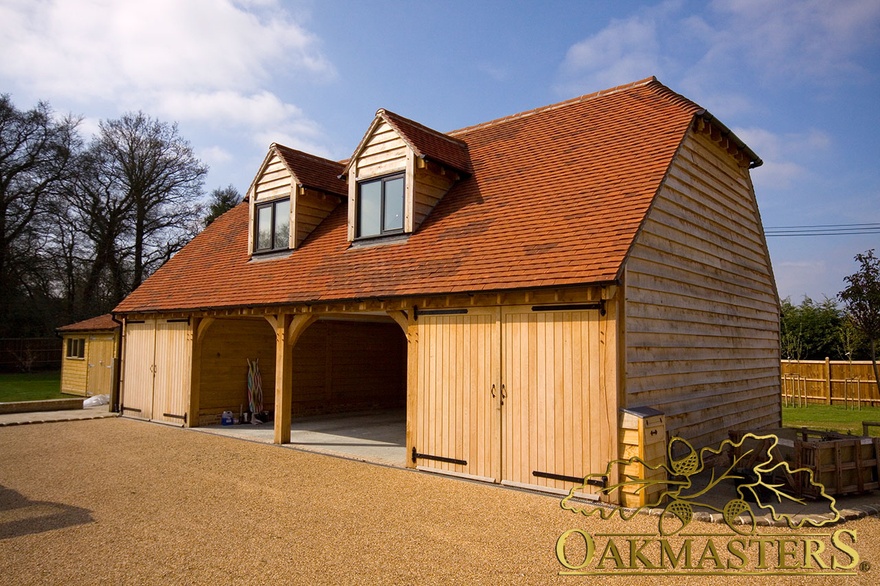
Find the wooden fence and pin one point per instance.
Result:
(829, 382)
(30, 354)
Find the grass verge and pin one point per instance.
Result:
(35, 386)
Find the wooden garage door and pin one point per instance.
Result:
(140, 352)
(171, 383)
(157, 371)
(457, 419)
(556, 419)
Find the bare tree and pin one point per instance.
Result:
(102, 214)
(36, 153)
(155, 170)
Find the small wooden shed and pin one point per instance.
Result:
(89, 353)
(516, 285)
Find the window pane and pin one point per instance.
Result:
(394, 204)
(282, 224)
(370, 209)
(264, 227)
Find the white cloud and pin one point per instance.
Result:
(227, 107)
(805, 38)
(624, 51)
(210, 65)
(779, 153)
(495, 72)
(215, 155)
(708, 53)
(98, 48)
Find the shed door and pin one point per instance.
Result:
(100, 368)
(457, 420)
(140, 353)
(556, 420)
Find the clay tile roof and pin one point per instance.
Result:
(556, 197)
(101, 322)
(314, 172)
(429, 143)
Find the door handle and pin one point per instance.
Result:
(503, 393)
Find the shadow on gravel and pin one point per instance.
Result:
(22, 516)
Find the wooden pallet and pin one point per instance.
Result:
(842, 464)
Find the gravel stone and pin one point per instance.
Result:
(118, 501)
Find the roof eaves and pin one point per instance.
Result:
(754, 160)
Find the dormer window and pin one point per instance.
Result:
(380, 206)
(272, 225)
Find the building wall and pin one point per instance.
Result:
(226, 347)
(701, 323)
(344, 366)
(74, 370)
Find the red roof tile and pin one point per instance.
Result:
(555, 198)
(99, 323)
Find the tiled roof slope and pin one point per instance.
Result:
(556, 198)
(314, 172)
(101, 322)
(429, 143)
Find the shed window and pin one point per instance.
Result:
(272, 226)
(380, 206)
(76, 347)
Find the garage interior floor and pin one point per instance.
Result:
(374, 436)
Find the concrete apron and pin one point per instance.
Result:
(376, 436)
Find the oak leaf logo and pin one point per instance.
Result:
(755, 467)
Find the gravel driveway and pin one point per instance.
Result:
(116, 501)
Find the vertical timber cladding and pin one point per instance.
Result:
(140, 354)
(156, 373)
(100, 364)
(559, 413)
(458, 419)
(515, 395)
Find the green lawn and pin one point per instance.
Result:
(30, 387)
(831, 417)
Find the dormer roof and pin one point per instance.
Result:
(425, 142)
(308, 170)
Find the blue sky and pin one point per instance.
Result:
(798, 81)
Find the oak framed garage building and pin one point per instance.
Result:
(514, 286)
